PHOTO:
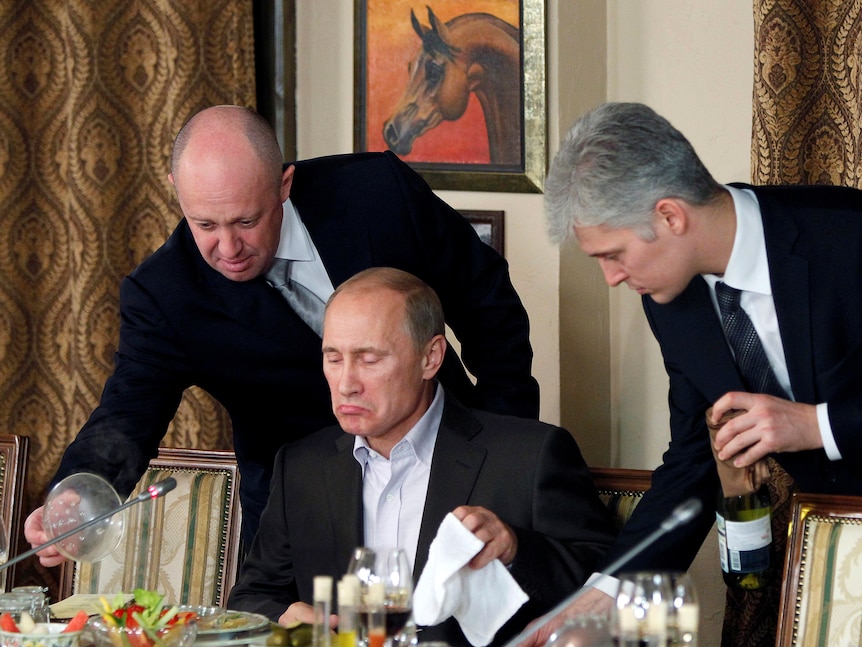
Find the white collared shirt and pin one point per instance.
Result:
(394, 489)
(748, 270)
(296, 245)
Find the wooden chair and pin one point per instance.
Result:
(13, 473)
(821, 597)
(186, 544)
(621, 489)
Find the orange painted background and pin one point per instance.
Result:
(391, 43)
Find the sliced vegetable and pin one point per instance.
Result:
(77, 623)
(7, 623)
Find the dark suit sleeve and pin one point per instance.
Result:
(569, 529)
(138, 401)
(266, 584)
(687, 470)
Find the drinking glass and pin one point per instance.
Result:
(640, 615)
(75, 500)
(684, 618)
(393, 569)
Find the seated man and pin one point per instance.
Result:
(411, 454)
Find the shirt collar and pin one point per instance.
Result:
(748, 268)
(421, 437)
(295, 242)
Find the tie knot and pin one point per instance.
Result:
(277, 274)
(728, 298)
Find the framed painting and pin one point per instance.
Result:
(489, 226)
(455, 88)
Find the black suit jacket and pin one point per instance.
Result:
(814, 250)
(184, 324)
(530, 474)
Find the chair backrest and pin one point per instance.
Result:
(13, 474)
(621, 489)
(186, 544)
(821, 595)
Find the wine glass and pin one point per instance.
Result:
(684, 616)
(393, 569)
(640, 615)
(4, 548)
(75, 500)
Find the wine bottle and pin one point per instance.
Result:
(745, 539)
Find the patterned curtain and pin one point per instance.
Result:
(807, 129)
(91, 96)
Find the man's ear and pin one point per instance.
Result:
(673, 214)
(287, 182)
(434, 353)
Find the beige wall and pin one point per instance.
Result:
(692, 62)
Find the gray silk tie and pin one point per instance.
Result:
(751, 359)
(303, 301)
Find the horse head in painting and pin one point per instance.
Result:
(474, 52)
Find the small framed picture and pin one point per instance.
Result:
(489, 226)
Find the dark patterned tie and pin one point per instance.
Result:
(751, 359)
(303, 301)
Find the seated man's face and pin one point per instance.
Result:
(377, 378)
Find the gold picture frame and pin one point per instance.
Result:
(423, 90)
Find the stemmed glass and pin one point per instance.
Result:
(389, 570)
(684, 618)
(640, 615)
(393, 569)
(4, 553)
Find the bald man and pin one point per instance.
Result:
(205, 309)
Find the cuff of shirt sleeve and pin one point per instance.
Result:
(826, 436)
(605, 583)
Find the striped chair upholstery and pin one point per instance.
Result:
(13, 473)
(621, 489)
(821, 597)
(186, 544)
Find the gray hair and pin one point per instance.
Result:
(423, 315)
(614, 165)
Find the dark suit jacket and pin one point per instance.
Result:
(530, 474)
(184, 324)
(814, 249)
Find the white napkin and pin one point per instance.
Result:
(481, 601)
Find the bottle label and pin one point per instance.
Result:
(744, 545)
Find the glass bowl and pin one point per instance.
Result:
(52, 637)
(75, 500)
(104, 635)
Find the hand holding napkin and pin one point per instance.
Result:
(480, 600)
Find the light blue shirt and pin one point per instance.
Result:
(394, 489)
(296, 246)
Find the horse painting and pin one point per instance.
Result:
(474, 52)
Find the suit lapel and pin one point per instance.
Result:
(343, 492)
(788, 275)
(703, 343)
(455, 467)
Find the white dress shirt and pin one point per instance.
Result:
(394, 489)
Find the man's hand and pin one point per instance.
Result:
(769, 425)
(302, 612)
(500, 540)
(592, 602)
(36, 536)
